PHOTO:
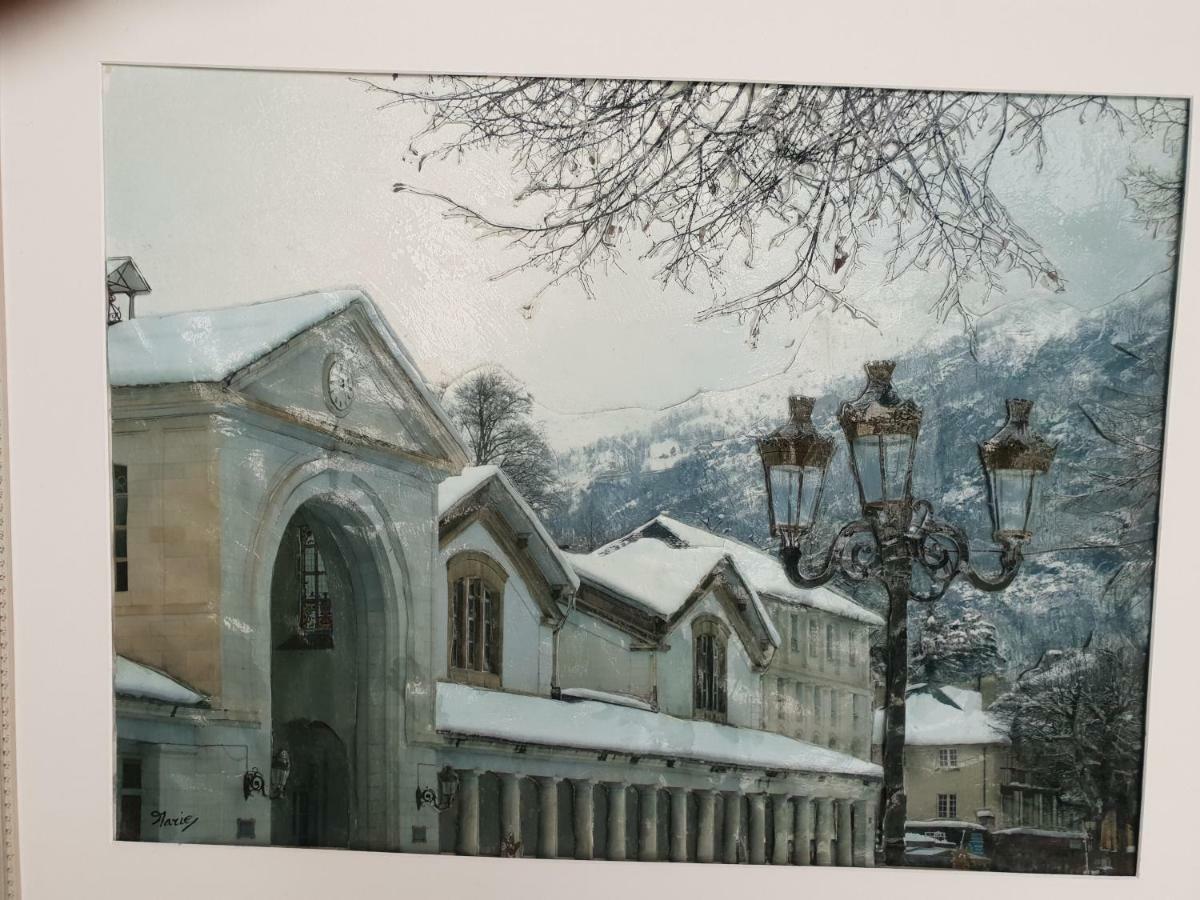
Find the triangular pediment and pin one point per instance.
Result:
(342, 376)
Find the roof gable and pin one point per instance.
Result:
(762, 569)
(275, 353)
(661, 583)
(462, 496)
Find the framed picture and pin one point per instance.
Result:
(502, 458)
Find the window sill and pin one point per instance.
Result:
(472, 677)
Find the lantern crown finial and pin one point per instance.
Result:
(880, 370)
(1016, 445)
(801, 409)
(797, 441)
(879, 409)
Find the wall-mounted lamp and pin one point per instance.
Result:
(254, 783)
(441, 797)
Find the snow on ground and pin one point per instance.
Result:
(928, 721)
(133, 679)
(589, 725)
(662, 455)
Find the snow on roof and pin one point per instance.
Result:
(457, 489)
(211, 344)
(132, 679)
(650, 573)
(936, 824)
(924, 840)
(929, 721)
(661, 578)
(764, 571)
(589, 725)
(606, 697)
(1042, 832)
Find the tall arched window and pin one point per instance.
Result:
(475, 618)
(316, 609)
(710, 638)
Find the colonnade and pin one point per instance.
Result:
(804, 830)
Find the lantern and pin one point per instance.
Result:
(1013, 459)
(795, 458)
(881, 430)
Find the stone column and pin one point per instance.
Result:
(510, 808)
(616, 819)
(802, 840)
(864, 844)
(781, 807)
(679, 833)
(845, 842)
(585, 818)
(758, 829)
(824, 831)
(733, 827)
(648, 823)
(706, 827)
(468, 812)
(548, 817)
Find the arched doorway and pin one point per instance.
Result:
(317, 801)
(328, 600)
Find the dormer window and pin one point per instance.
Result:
(710, 639)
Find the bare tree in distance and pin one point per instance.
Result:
(1076, 722)
(797, 182)
(494, 412)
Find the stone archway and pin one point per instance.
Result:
(353, 688)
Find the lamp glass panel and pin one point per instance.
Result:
(897, 453)
(1013, 498)
(810, 488)
(866, 461)
(785, 494)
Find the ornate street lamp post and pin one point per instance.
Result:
(897, 538)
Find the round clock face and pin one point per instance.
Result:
(339, 384)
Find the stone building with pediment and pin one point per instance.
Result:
(331, 630)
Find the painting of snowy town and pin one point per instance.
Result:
(623, 470)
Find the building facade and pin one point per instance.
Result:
(965, 789)
(331, 631)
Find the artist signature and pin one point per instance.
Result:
(183, 821)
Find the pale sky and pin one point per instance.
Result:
(230, 187)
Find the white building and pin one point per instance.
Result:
(311, 583)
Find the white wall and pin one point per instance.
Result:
(593, 654)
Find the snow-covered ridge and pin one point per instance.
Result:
(649, 572)
(211, 344)
(661, 578)
(594, 726)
